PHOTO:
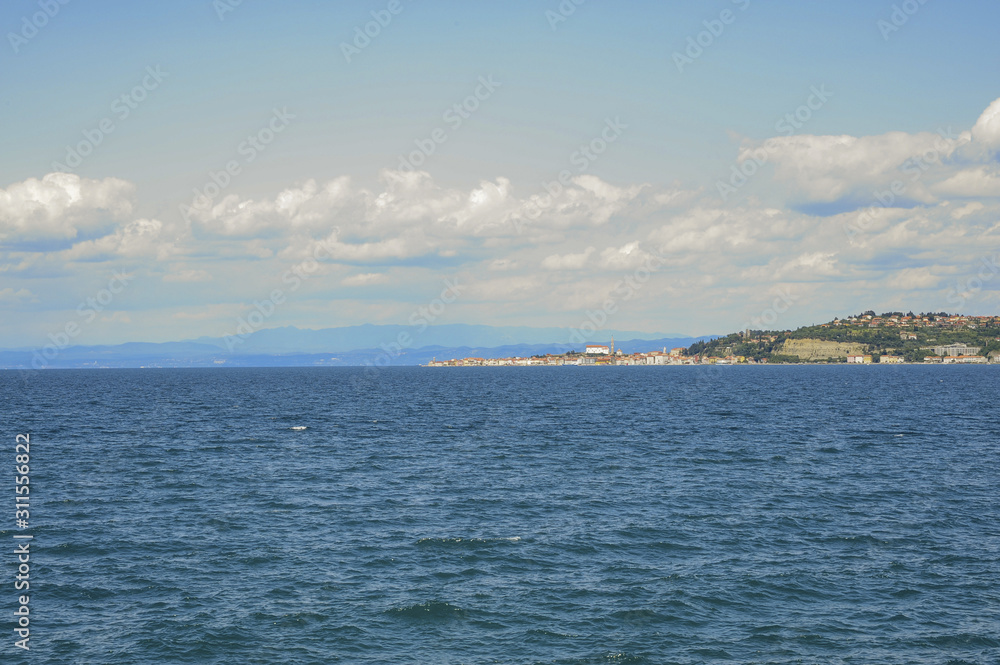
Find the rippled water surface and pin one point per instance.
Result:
(510, 515)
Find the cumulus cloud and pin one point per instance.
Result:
(305, 208)
(979, 181)
(557, 248)
(986, 131)
(826, 169)
(410, 216)
(895, 169)
(61, 206)
(140, 238)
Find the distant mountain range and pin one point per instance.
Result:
(347, 346)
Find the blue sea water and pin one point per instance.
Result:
(509, 515)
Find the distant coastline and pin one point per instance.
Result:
(892, 338)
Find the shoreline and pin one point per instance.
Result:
(801, 364)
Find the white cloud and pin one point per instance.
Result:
(307, 208)
(522, 248)
(806, 267)
(365, 279)
(979, 181)
(9, 295)
(966, 210)
(627, 257)
(410, 216)
(826, 169)
(924, 168)
(986, 131)
(140, 238)
(61, 206)
(568, 261)
(913, 278)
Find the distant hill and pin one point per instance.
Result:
(356, 345)
(290, 339)
(910, 336)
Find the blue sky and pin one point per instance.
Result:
(903, 101)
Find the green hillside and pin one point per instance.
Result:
(889, 333)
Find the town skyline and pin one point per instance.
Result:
(910, 325)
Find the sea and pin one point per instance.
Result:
(521, 515)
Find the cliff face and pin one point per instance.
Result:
(814, 349)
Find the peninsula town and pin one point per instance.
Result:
(867, 338)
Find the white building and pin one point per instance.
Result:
(957, 349)
(964, 359)
(598, 349)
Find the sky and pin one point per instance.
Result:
(172, 170)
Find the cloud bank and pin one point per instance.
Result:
(894, 220)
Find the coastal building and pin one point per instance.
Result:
(598, 349)
(957, 349)
(891, 360)
(964, 359)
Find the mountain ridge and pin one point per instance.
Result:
(349, 346)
